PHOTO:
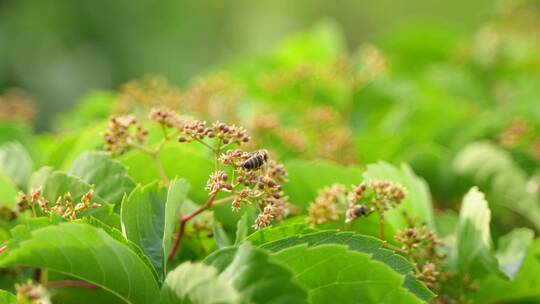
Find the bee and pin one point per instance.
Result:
(256, 160)
(361, 210)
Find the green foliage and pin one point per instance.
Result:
(494, 289)
(493, 169)
(8, 190)
(305, 179)
(512, 249)
(16, 163)
(426, 110)
(143, 222)
(84, 252)
(254, 273)
(108, 176)
(148, 215)
(182, 161)
(332, 273)
(197, 283)
(417, 201)
(276, 233)
(57, 183)
(473, 250)
(176, 199)
(359, 243)
(7, 298)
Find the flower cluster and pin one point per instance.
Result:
(261, 185)
(213, 97)
(218, 182)
(199, 130)
(422, 246)
(122, 132)
(165, 117)
(234, 158)
(327, 205)
(277, 171)
(64, 205)
(16, 105)
(30, 293)
(375, 195)
(146, 93)
(265, 218)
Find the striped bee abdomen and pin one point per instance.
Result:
(256, 160)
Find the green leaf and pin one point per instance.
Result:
(7, 297)
(39, 178)
(189, 162)
(143, 222)
(149, 215)
(472, 254)
(320, 44)
(335, 274)
(17, 132)
(8, 191)
(494, 289)
(16, 163)
(305, 179)
(57, 153)
(359, 243)
(88, 139)
(494, 171)
(417, 202)
(197, 283)
(512, 250)
(56, 183)
(85, 252)
(256, 276)
(94, 106)
(176, 197)
(220, 236)
(270, 234)
(242, 228)
(108, 176)
(77, 295)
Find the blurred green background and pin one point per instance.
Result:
(58, 50)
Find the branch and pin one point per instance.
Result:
(206, 145)
(187, 218)
(154, 154)
(69, 283)
(160, 168)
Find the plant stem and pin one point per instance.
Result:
(34, 209)
(187, 218)
(140, 148)
(165, 133)
(160, 168)
(3, 248)
(70, 283)
(218, 151)
(154, 154)
(206, 145)
(223, 200)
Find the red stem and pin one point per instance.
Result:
(183, 222)
(68, 283)
(3, 248)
